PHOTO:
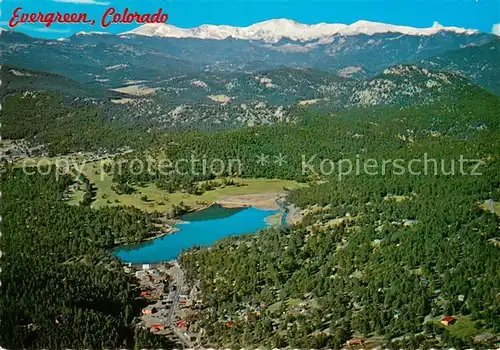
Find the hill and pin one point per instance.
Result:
(16, 80)
(479, 63)
(227, 100)
(381, 255)
(224, 101)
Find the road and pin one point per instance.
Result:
(178, 281)
(491, 206)
(184, 340)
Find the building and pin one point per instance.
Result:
(448, 321)
(409, 223)
(148, 310)
(182, 324)
(157, 327)
(355, 341)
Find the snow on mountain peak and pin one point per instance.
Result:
(276, 29)
(371, 28)
(92, 33)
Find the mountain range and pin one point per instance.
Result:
(222, 76)
(276, 29)
(93, 56)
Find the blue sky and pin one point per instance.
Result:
(476, 14)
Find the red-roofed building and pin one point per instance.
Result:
(157, 327)
(355, 342)
(182, 324)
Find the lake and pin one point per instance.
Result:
(201, 228)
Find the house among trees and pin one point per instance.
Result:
(355, 341)
(157, 327)
(182, 324)
(148, 310)
(448, 321)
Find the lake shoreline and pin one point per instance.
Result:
(288, 214)
(196, 233)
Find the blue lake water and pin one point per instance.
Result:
(196, 233)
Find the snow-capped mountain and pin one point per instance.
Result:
(277, 29)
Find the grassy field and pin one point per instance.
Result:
(157, 199)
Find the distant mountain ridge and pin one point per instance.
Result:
(112, 60)
(276, 29)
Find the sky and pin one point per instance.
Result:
(483, 15)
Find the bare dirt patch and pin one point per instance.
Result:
(136, 90)
(265, 201)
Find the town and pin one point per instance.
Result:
(171, 311)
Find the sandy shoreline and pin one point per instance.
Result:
(265, 201)
(172, 230)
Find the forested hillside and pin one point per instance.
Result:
(20, 80)
(52, 112)
(479, 63)
(378, 256)
(60, 286)
(376, 132)
(62, 124)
